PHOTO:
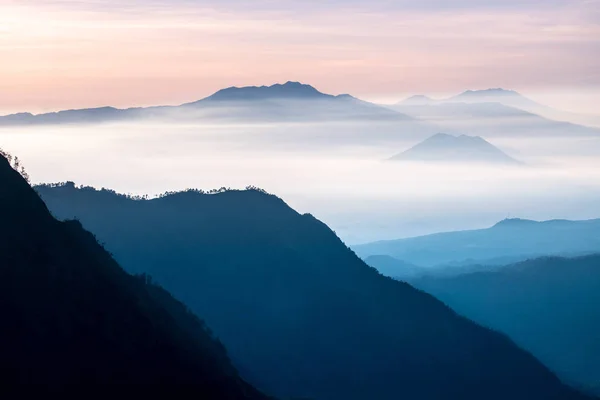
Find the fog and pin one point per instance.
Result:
(336, 171)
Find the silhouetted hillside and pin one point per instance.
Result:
(507, 242)
(71, 315)
(299, 312)
(394, 268)
(549, 306)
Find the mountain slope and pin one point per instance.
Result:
(71, 315)
(394, 268)
(250, 264)
(460, 149)
(291, 101)
(511, 239)
(549, 306)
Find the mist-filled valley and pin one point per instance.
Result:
(338, 170)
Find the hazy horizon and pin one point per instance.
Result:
(336, 171)
(581, 102)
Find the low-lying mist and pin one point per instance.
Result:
(336, 171)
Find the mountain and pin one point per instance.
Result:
(394, 268)
(288, 90)
(511, 239)
(460, 149)
(514, 99)
(417, 100)
(71, 315)
(299, 312)
(549, 306)
(496, 95)
(491, 118)
(291, 101)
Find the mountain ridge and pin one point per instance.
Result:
(73, 316)
(507, 98)
(547, 305)
(527, 239)
(277, 101)
(300, 294)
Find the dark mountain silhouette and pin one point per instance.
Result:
(456, 149)
(280, 287)
(511, 239)
(290, 101)
(71, 315)
(394, 268)
(548, 306)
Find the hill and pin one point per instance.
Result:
(510, 240)
(277, 285)
(71, 315)
(455, 149)
(548, 306)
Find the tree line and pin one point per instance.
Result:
(15, 163)
(130, 196)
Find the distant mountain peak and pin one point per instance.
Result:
(443, 147)
(514, 222)
(417, 100)
(489, 92)
(288, 90)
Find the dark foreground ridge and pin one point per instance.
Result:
(300, 313)
(71, 315)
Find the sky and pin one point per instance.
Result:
(74, 54)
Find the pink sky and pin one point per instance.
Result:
(74, 54)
